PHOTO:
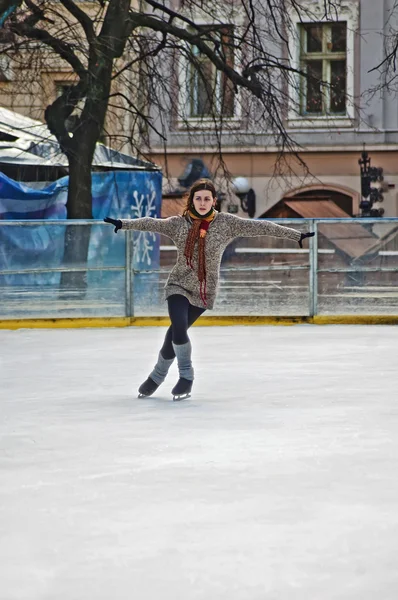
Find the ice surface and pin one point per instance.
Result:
(276, 481)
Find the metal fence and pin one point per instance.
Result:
(349, 267)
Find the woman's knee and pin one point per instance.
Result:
(178, 311)
(180, 335)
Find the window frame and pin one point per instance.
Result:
(327, 58)
(348, 13)
(217, 78)
(185, 118)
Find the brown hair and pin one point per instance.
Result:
(201, 184)
(198, 232)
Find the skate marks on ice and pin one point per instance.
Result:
(276, 480)
(171, 398)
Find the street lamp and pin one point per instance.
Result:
(371, 197)
(246, 195)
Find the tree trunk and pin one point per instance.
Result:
(80, 150)
(77, 237)
(79, 191)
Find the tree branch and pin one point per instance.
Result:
(143, 20)
(57, 113)
(116, 28)
(173, 14)
(83, 18)
(63, 49)
(390, 58)
(142, 56)
(137, 112)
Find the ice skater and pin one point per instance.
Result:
(201, 235)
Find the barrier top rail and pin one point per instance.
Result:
(357, 220)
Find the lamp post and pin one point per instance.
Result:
(246, 195)
(371, 197)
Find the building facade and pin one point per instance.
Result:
(331, 126)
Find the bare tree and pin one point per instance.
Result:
(129, 59)
(229, 63)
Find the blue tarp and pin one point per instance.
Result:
(19, 201)
(119, 194)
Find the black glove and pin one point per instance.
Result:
(116, 222)
(303, 236)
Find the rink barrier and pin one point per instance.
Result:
(218, 321)
(384, 292)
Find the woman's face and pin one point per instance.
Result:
(203, 201)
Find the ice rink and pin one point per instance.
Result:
(277, 480)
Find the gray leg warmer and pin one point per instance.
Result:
(183, 354)
(161, 369)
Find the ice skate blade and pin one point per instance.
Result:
(179, 397)
(145, 395)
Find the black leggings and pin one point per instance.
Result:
(182, 316)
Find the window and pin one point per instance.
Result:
(210, 92)
(323, 57)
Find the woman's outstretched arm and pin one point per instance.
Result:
(167, 227)
(240, 227)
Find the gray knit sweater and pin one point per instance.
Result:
(222, 230)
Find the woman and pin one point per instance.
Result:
(201, 235)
